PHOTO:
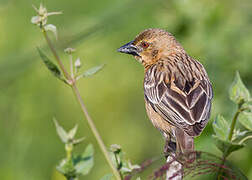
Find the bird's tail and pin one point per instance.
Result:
(185, 145)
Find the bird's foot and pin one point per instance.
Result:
(169, 147)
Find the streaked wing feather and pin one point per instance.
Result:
(189, 109)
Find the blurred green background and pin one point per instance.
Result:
(218, 33)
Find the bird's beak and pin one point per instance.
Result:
(129, 48)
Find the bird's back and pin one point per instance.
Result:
(178, 89)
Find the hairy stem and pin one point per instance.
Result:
(231, 131)
(95, 132)
(233, 125)
(118, 165)
(71, 66)
(66, 74)
(245, 139)
(239, 110)
(69, 150)
(83, 108)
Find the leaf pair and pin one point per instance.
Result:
(238, 91)
(79, 164)
(245, 118)
(239, 94)
(67, 137)
(57, 73)
(74, 165)
(227, 147)
(221, 128)
(123, 165)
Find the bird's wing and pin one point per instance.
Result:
(183, 103)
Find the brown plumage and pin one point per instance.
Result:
(177, 89)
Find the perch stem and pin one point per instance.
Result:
(72, 83)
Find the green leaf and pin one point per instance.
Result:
(35, 19)
(133, 166)
(83, 163)
(127, 167)
(247, 105)
(72, 132)
(52, 28)
(120, 162)
(51, 66)
(107, 177)
(61, 132)
(245, 118)
(227, 147)
(91, 71)
(116, 162)
(78, 141)
(125, 170)
(66, 168)
(117, 156)
(221, 127)
(69, 50)
(238, 91)
(77, 63)
(239, 134)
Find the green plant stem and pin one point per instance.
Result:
(231, 132)
(71, 66)
(118, 165)
(233, 125)
(95, 132)
(83, 108)
(245, 139)
(69, 149)
(66, 74)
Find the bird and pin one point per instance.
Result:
(177, 89)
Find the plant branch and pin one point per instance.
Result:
(66, 74)
(118, 166)
(83, 108)
(239, 110)
(95, 132)
(231, 131)
(233, 125)
(69, 149)
(71, 66)
(245, 139)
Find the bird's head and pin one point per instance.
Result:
(151, 45)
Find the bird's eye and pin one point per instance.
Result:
(144, 44)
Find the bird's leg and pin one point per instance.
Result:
(169, 147)
(175, 171)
